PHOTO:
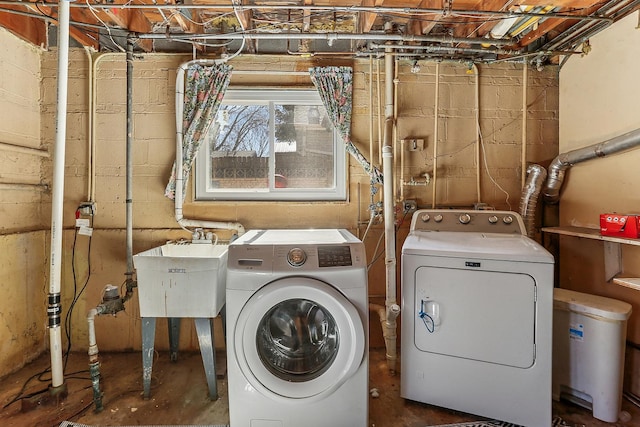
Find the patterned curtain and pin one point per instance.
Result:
(335, 85)
(204, 89)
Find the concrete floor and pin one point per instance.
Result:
(179, 397)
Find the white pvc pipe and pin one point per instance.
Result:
(478, 140)
(435, 137)
(525, 78)
(54, 309)
(179, 197)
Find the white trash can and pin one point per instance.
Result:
(589, 334)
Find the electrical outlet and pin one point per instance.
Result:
(409, 206)
(87, 208)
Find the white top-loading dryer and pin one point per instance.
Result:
(477, 307)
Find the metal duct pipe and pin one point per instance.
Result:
(329, 37)
(536, 175)
(561, 163)
(54, 308)
(446, 49)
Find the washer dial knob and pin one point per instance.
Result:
(507, 219)
(425, 217)
(465, 219)
(437, 218)
(493, 219)
(296, 257)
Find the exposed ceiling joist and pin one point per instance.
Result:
(469, 30)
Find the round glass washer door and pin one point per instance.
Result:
(298, 337)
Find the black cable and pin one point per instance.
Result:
(76, 294)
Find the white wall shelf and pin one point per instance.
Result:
(612, 251)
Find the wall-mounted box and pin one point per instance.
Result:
(413, 144)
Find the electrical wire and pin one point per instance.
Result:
(76, 294)
(93, 11)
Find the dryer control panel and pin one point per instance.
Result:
(505, 222)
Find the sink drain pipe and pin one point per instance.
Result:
(94, 362)
(392, 309)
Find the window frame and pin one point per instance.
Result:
(338, 192)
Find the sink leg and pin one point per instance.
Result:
(148, 338)
(223, 316)
(174, 337)
(208, 352)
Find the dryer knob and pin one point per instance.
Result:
(437, 218)
(464, 219)
(425, 218)
(493, 219)
(507, 219)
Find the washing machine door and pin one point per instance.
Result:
(298, 337)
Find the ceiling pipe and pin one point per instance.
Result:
(345, 9)
(561, 163)
(54, 308)
(583, 30)
(329, 37)
(446, 49)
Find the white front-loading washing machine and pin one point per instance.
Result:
(477, 307)
(297, 329)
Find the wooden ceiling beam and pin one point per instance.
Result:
(33, 30)
(554, 24)
(134, 21)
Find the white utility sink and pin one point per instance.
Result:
(182, 280)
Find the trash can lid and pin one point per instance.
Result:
(593, 305)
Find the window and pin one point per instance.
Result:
(271, 145)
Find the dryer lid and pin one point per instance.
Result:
(490, 246)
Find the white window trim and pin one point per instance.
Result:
(289, 96)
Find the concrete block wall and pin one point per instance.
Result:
(23, 215)
(103, 255)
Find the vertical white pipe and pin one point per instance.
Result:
(394, 138)
(379, 111)
(90, 117)
(54, 309)
(478, 140)
(392, 308)
(129, 159)
(525, 77)
(435, 137)
(370, 110)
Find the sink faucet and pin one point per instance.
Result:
(198, 234)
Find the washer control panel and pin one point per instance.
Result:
(505, 222)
